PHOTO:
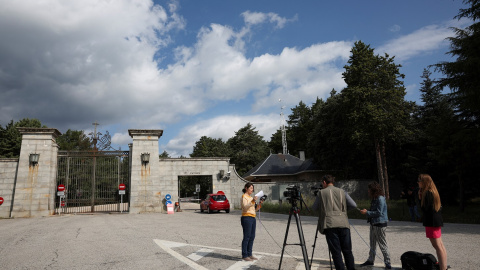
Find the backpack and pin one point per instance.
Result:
(412, 260)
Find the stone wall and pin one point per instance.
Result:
(8, 170)
(172, 168)
(34, 189)
(35, 186)
(146, 186)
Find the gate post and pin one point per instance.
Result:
(35, 188)
(145, 194)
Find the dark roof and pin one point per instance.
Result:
(280, 164)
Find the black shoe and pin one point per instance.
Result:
(367, 263)
(388, 266)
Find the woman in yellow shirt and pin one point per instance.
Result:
(248, 221)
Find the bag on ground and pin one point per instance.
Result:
(412, 260)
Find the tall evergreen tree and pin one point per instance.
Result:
(300, 124)
(11, 139)
(375, 101)
(463, 74)
(74, 140)
(248, 149)
(275, 144)
(164, 154)
(210, 147)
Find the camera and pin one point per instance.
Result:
(263, 198)
(316, 190)
(292, 192)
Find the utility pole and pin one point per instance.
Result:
(282, 128)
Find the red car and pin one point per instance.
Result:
(217, 202)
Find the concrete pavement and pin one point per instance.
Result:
(194, 240)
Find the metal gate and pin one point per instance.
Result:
(91, 180)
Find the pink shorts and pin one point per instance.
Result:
(433, 232)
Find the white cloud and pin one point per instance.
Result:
(395, 28)
(223, 127)
(68, 62)
(254, 18)
(80, 60)
(422, 41)
(121, 139)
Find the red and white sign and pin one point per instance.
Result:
(63, 203)
(121, 186)
(170, 208)
(1, 200)
(61, 188)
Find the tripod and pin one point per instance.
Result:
(294, 211)
(314, 243)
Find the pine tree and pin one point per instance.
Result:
(374, 95)
(463, 74)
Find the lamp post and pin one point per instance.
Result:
(145, 157)
(33, 159)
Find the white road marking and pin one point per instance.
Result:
(242, 265)
(168, 245)
(179, 257)
(199, 254)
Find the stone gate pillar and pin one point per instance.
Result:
(35, 186)
(145, 187)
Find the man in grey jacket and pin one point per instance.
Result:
(332, 203)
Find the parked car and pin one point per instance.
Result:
(215, 202)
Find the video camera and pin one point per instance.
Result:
(316, 190)
(292, 193)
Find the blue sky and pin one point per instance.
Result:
(199, 68)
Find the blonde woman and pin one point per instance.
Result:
(432, 216)
(248, 221)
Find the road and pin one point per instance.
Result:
(194, 240)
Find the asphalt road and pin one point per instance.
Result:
(194, 240)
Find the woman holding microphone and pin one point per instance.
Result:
(248, 221)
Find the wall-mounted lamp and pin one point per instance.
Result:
(222, 173)
(34, 159)
(145, 158)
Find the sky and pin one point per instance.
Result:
(198, 68)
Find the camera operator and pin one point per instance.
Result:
(332, 203)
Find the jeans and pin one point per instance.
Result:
(339, 241)
(249, 225)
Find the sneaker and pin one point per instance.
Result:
(253, 257)
(388, 266)
(367, 263)
(247, 259)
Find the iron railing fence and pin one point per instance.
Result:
(91, 180)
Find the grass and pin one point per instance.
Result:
(397, 210)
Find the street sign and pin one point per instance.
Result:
(121, 187)
(168, 197)
(121, 192)
(61, 188)
(1, 200)
(63, 203)
(60, 193)
(170, 209)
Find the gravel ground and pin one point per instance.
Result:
(127, 241)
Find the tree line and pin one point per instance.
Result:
(354, 131)
(367, 130)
